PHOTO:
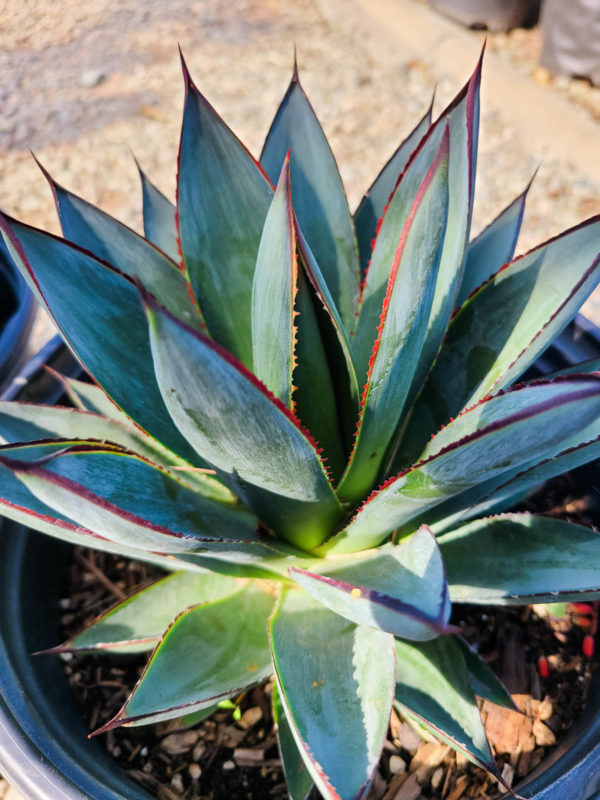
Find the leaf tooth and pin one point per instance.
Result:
(286, 177)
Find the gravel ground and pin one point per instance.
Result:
(85, 87)
(84, 84)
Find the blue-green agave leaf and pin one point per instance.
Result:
(484, 681)
(160, 225)
(505, 491)
(111, 241)
(19, 504)
(494, 247)
(336, 696)
(520, 558)
(23, 422)
(288, 354)
(494, 437)
(274, 295)
(402, 328)
(400, 589)
(433, 685)
(222, 203)
(500, 331)
(253, 440)
(106, 422)
(462, 117)
(314, 398)
(97, 304)
(591, 365)
(336, 340)
(89, 397)
(297, 777)
(528, 480)
(508, 488)
(228, 637)
(126, 498)
(372, 206)
(137, 623)
(317, 194)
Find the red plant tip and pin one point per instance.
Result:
(582, 608)
(543, 667)
(184, 68)
(589, 646)
(583, 620)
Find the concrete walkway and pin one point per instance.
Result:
(398, 31)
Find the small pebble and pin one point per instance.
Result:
(250, 717)
(508, 774)
(194, 771)
(199, 751)
(396, 764)
(542, 76)
(437, 778)
(228, 765)
(90, 78)
(177, 782)
(178, 743)
(544, 737)
(408, 738)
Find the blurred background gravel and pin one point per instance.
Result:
(83, 84)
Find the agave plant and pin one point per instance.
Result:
(305, 416)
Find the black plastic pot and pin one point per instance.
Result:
(44, 750)
(17, 312)
(571, 38)
(499, 16)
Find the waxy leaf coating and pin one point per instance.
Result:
(335, 696)
(159, 213)
(400, 589)
(317, 194)
(520, 558)
(227, 636)
(372, 206)
(237, 425)
(433, 684)
(137, 624)
(222, 202)
(100, 293)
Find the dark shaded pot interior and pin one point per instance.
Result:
(17, 313)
